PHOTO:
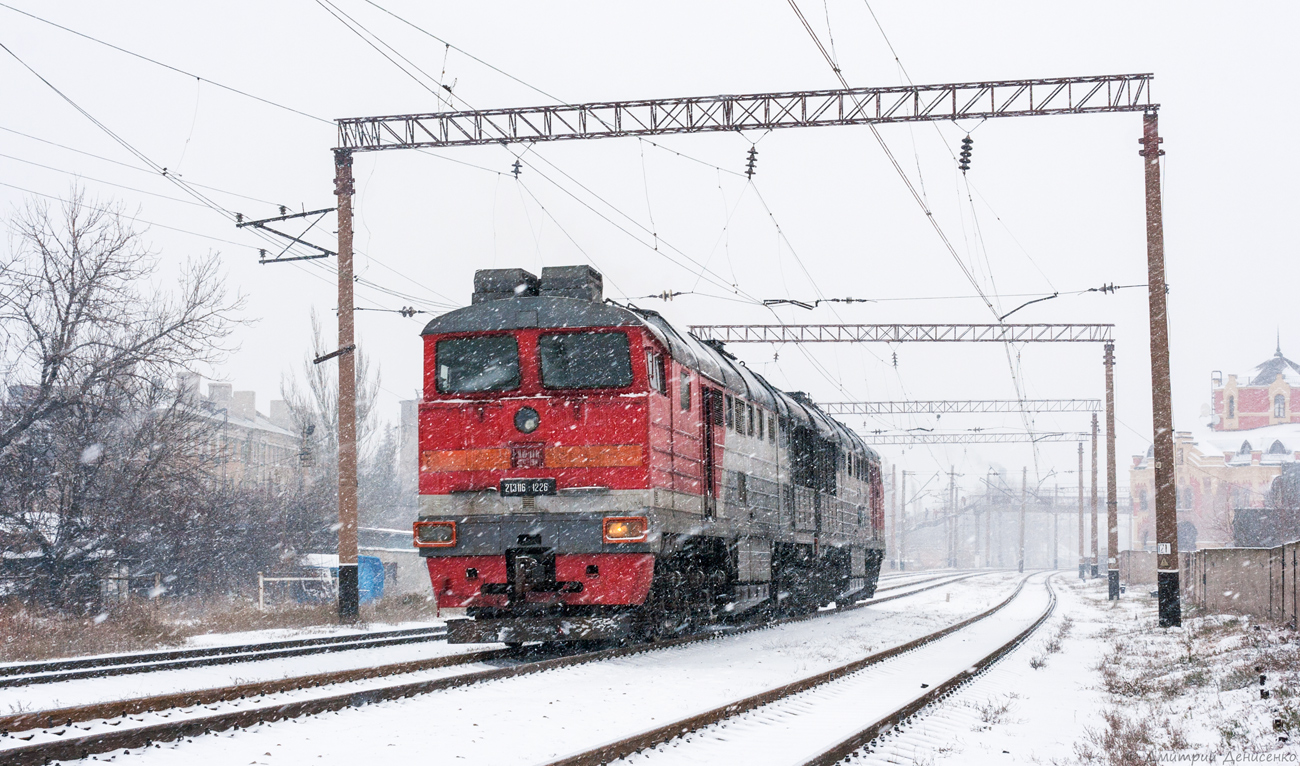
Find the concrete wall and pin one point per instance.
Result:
(1258, 582)
(1137, 568)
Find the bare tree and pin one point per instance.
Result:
(97, 444)
(79, 315)
(318, 406)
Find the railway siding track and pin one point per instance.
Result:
(79, 732)
(28, 673)
(645, 740)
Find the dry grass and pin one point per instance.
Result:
(31, 634)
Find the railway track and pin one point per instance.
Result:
(817, 721)
(77, 732)
(27, 673)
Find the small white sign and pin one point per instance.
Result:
(1163, 549)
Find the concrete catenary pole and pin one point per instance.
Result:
(1112, 489)
(1162, 417)
(951, 526)
(1092, 559)
(1024, 494)
(988, 520)
(1083, 559)
(902, 528)
(349, 597)
(893, 511)
(1056, 528)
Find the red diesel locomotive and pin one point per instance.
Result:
(588, 472)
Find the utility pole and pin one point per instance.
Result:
(893, 509)
(1056, 529)
(1024, 494)
(1112, 491)
(1093, 557)
(1083, 561)
(349, 596)
(902, 530)
(1161, 391)
(951, 526)
(988, 521)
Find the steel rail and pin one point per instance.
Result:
(628, 746)
(867, 734)
(26, 674)
(69, 748)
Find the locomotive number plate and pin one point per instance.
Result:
(525, 487)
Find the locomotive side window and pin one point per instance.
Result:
(760, 425)
(771, 428)
(750, 409)
(467, 365)
(731, 420)
(654, 365)
(686, 391)
(585, 360)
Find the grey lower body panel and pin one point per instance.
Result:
(525, 629)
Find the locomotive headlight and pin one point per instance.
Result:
(435, 534)
(527, 420)
(626, 529)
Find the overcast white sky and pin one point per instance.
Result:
(1058, 200)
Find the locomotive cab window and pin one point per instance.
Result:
(468, 365)
(585, 360)
(654, 365)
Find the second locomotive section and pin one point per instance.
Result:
(588, 472)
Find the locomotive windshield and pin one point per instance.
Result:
(585, 360)
(489, 363)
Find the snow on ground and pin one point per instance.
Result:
(1102, 684)
(289, 634)
(88, 691)
(108, 688)
(534, 718)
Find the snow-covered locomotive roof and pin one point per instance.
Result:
(519, 307)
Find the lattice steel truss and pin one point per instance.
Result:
(945, 407)
(795, 109)
(907, 333)
(969, 437)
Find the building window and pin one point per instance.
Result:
(1245, 449)
(1279, 406)
(1277, 449)
(1232, 407)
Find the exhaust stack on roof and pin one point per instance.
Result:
(581, 282)
(501, 284)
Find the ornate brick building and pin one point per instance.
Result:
(1249, 431)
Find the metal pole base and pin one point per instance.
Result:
(1170, 609)
(349, 594)
(1112, 583)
